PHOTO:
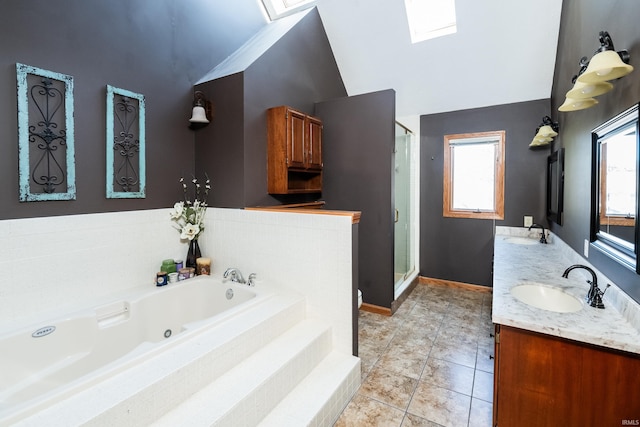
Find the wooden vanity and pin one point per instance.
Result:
(541, 380)
(559, 369)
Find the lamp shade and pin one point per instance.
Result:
(605, 66)
(571, 104)
(546, 131)
(540, 142)
(198, 115)
(588, 90)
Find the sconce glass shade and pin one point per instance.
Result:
(588, 90)
(605, 66)
(540, 142)
(198, 115)
(546, 131)
(571, 104)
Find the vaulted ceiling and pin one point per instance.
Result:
(503, 52)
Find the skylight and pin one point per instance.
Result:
(280, 8)
(429, 19)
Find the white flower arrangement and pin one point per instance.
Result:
(188, 217)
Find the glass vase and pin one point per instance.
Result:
(193, 253)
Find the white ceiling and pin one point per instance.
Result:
(504, 52)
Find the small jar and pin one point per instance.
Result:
(183, 274)
(161, 278)
(192, 272)
(168, 266)
(173, 277)
(179, 264)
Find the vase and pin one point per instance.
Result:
(193, 253)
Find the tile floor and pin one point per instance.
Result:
(428, 365)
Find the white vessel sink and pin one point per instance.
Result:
(546, 298)
(521, 240)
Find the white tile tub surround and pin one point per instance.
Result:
(65, 262)
(306, 253)
(57, 264)
(616, 326)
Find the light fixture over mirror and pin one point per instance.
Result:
(614, 206)
(588, 90)
(201, 113)
(606, 64)
(545, 133)
(593, 76)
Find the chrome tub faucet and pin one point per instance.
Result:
(235, 275)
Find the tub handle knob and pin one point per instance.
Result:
(251, 281)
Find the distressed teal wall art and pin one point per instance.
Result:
(45, 135)
(125, 144)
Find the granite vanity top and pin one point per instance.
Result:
(613, 327)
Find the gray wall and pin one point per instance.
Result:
(461, 249)
(298, 70)
(358, 176)
(580, 25)
(158, 48)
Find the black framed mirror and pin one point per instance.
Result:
(615, 183)
(555, 186)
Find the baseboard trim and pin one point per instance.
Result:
(375, 309)
(453, 284)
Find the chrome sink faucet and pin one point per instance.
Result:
(543, 237)
(235, 275)
(594, 296)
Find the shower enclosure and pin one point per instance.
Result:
(405, 178)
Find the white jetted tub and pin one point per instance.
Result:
(49, 361)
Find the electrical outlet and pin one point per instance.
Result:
(528, 220)
(586, 248)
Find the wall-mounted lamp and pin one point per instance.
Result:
(201, 113)
(592, 79)
(545, 133)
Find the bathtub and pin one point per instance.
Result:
(57, 358)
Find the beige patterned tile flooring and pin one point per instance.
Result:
(428, 365)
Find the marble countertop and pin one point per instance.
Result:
(613, 327)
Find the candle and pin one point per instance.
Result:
(203, 266)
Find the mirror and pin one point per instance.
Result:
(614, 208)
(555, 186)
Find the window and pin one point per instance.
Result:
(474, 175)
(617, 172)
(280, 8)
(429, 19)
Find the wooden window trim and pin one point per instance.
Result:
(447, 199)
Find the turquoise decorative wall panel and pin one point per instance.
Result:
(45, 135)
(125, 144)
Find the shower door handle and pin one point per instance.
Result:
(397, 215)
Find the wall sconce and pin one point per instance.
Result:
(201, 113)
(592, 79)
(545, 133)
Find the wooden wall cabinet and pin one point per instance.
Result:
(542, 380)
(294, 152)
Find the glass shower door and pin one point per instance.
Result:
(403, 264)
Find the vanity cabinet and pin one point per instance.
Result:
(542, 380)
(294, 152)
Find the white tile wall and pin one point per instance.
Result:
(309, 254)
(71, 262)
